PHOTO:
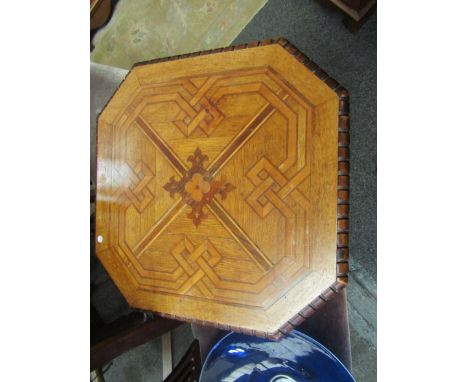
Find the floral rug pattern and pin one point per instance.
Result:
(142, 30)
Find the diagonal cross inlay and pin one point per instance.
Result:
(218, 178)
(198, 187)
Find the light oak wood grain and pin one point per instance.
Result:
(217, 187)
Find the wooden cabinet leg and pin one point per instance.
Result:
(351, 24)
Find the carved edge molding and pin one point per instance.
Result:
(342, 248)
(342, 242)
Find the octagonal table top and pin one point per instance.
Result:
(222, 187)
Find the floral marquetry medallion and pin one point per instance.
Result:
(197, 188)
(222, 193)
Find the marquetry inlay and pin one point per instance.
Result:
(197, 187)
(217, 188)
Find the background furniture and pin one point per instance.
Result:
(356, 11)
(111, 340)
(99, 13)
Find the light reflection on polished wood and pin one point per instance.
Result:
(217, 187)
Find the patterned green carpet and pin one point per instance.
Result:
(141, 30)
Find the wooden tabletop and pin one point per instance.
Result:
(222, 194)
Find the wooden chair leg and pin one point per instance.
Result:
(189, 368)
(97, 375)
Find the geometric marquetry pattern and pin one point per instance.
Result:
(264, 175)
(202, 206)
(196, 263)
(198, 112)
(139, 176)
(203, 186)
